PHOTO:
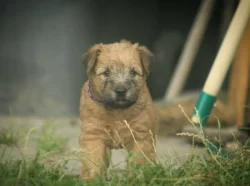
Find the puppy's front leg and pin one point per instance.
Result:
(143, 149)
(95, 159)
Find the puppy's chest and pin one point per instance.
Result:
(119, 134)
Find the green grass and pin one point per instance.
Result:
(209, 169)
(49, 141)
(197, 170)
(23, 172)
(7, 137)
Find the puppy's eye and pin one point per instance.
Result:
(133, 72)
(106, 73)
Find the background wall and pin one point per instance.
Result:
(41, 70)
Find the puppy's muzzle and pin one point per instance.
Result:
(120, 92)
(120, 95)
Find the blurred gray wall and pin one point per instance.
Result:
(40, 55)
(41, 43)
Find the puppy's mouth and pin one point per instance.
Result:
(120, 103)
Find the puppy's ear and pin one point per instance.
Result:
(146, 59)
(91, 56)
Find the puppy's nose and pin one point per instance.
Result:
(121, 91)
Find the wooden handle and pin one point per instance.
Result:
(228, 48)
(222, 62)
(190, 50)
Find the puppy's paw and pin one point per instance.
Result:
(88, 175)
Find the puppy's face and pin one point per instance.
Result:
(117, 72)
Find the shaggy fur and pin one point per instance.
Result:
(125, 117)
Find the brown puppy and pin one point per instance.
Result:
(116, 108)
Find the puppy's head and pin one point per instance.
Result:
(118, 71)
